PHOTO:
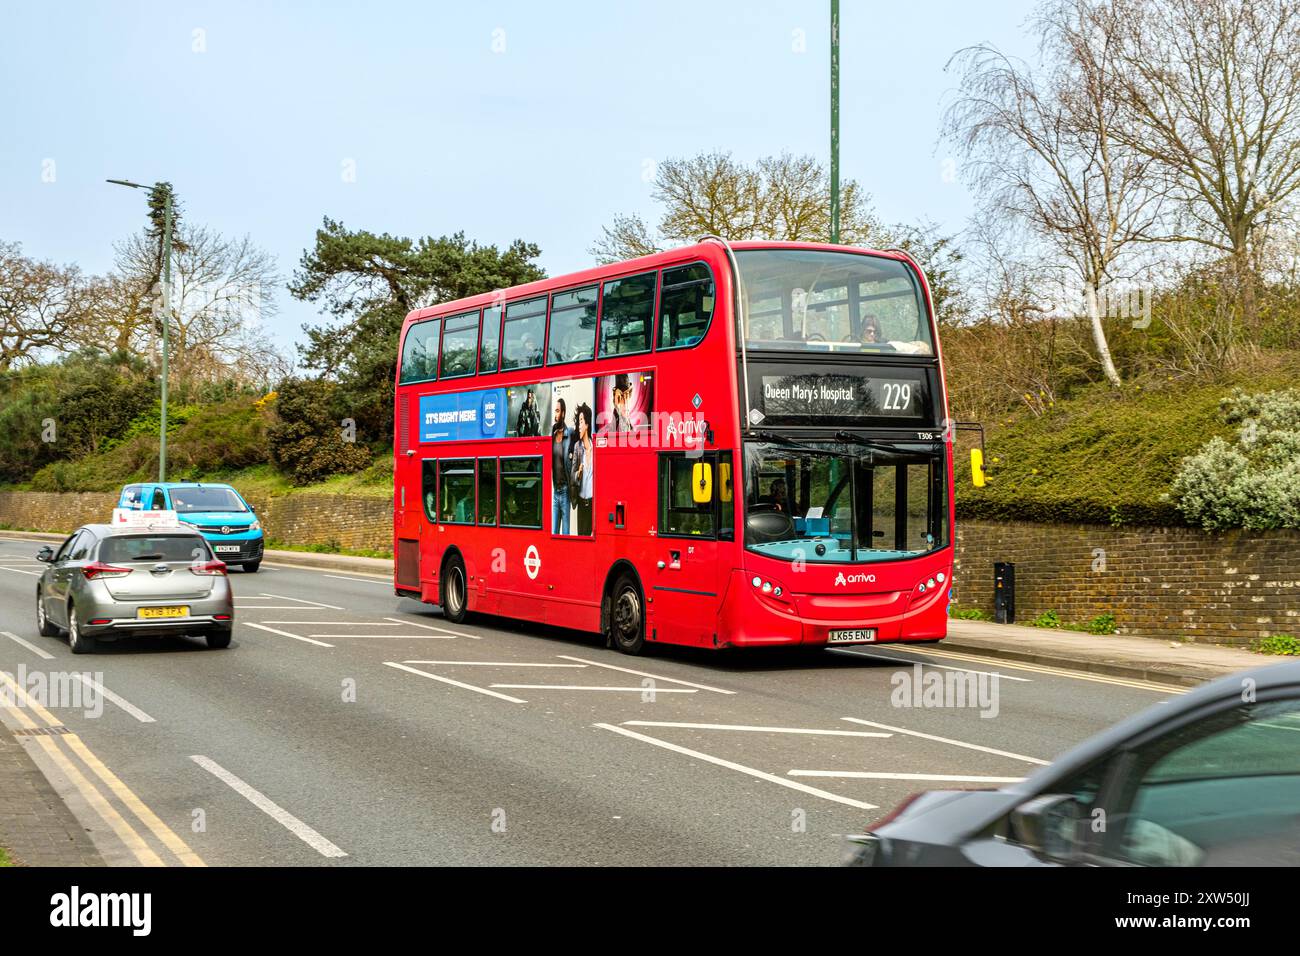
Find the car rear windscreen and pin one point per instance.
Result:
(128, 548)
(190, 500)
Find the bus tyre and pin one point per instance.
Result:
(453, 590)
(627, 616)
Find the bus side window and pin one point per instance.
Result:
(429, 488)
(685, 305)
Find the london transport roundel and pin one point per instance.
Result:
(532, 562)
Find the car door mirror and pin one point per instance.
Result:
(46, 554)
(1049, 826)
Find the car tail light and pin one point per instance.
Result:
(221, 617)
(101, 620)
(208, 568)
(101, 570)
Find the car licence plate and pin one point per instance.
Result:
(226, 548)
(153, 612)
(861, 635)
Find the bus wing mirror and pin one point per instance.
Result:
(702, 482)
(977, 475)
(724, 481)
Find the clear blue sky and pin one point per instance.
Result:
(545, 140)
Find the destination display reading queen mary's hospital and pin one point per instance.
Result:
(802, 397)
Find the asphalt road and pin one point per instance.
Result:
(346, 726)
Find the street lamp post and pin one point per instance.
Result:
(835, 121)
(166, 309)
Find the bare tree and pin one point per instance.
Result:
(40, 306)
(1211, 95)
(222, 289)
(779, 197)
(1040, 145)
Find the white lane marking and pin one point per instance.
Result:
(296, 637)
(386, 582)
(628, 670)
(948, 740)
(630, 690)
(747, 727)
(946, 667)
(1062, 672)
(871, 775)
(455, 683)
(335, 623)
(492, 664)
(398, 637)
(287, 597)
(277, 607)
(430, 627)
(273, 810)
(31, 647)
(741, 768)
(21, 571)
(126, 705)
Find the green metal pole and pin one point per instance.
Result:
(166, 323)
(835, 120)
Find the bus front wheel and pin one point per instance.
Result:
(453, 590)
(627, 616)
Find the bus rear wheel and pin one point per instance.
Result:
(627, 616)
(454, 591)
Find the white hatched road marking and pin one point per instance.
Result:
(741, 768)
(629, 690)
(431, 627)
(873, 775)
(749, 728)
(272, 809)
(948, 740)
(946, 667)
(455, 683)
(21, 571)
(286, 597)
(493, 664)
(628, 670)
(296, 637)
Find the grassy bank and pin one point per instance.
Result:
(1105, 456)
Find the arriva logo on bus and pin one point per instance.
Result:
(861, 577)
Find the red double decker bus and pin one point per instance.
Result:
(722, 445)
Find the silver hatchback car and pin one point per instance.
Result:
(105, 582)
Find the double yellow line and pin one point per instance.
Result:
(48, 735)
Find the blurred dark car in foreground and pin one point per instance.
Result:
(1209, 778)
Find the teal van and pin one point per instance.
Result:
(217, 511)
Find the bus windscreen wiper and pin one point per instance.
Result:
(848, 438)
(774, 439)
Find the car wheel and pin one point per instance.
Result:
(219, 640)
(454, 592)
(78, 642)
(627, 616)
(43, 623)
(250, 567)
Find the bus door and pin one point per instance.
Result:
(688, 577)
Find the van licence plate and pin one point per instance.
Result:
(153, 612)
(860, 635)
(226, 548)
